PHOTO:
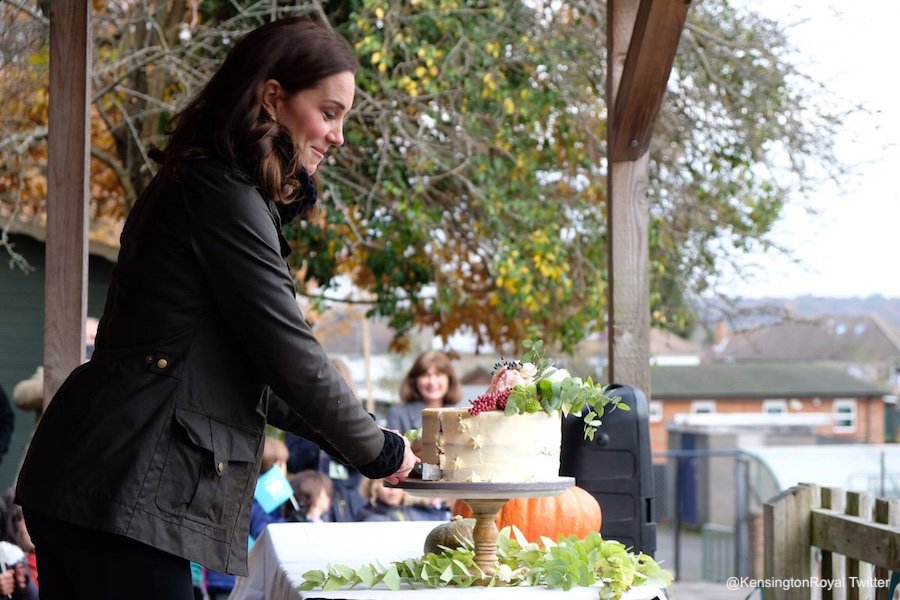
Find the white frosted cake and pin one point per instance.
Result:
(491, 446)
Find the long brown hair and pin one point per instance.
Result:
(409, 390)
(226, 119)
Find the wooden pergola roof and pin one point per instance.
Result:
(642, 40)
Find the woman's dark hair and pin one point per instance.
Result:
(226, 119)
(409, 390)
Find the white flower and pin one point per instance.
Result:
(528, 372)
(558, 375)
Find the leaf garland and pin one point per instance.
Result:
(564, 564)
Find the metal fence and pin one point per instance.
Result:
(709, 512)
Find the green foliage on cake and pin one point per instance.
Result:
(532, 384)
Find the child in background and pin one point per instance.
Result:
(389, 504)
(275, 455)
(313, 492)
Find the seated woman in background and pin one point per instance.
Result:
(431, 382)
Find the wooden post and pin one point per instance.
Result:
(859, 504)
(834, 566)
(642, 37)
(887, 512)
(628, 217)
(68, 171)
(787, 540)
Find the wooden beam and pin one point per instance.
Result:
(628, 217)
(68, 171)
(642, 38)
(651, 52)
(859, 537)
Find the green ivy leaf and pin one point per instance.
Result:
(367, 575)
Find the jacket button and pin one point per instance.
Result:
(162, 363)
(149, 358)
(220, 468)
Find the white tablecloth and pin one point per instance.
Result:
(287, 550)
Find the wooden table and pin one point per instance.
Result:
(287, 550)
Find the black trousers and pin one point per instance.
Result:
(75, 562)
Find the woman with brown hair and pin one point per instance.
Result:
(148, 455)
(430, 382)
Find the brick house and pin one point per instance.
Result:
(820, 402)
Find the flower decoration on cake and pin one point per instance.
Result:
(532, 384)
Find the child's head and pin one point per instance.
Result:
(374, 490)
(275, 453)
(313, 492)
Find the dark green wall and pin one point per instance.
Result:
(22, 331)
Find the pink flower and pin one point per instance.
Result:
(511, 375)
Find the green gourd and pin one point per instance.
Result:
(453, 534)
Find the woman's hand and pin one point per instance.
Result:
(409, 461)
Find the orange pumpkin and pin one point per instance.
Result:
(574, 512)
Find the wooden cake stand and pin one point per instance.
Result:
(486, 500)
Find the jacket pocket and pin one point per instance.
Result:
(207, 469)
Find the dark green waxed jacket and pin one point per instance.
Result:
(159, 436)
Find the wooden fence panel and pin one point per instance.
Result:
(842, 528)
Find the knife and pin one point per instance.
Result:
(425, 472)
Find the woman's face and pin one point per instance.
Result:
(433, 385)
(315, 116)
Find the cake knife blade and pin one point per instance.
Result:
(425, 472)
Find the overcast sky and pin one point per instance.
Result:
(852, 247)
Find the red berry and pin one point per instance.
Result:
(489, 401)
